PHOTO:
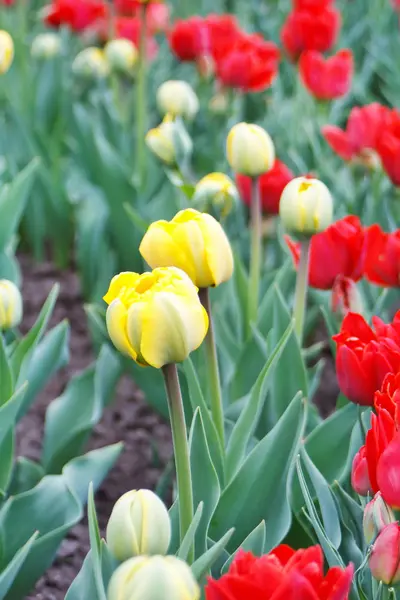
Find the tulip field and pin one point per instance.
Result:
(199, 300)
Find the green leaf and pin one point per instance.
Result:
(204, 563)
(95, 541)
(9, 574)
(188, 540)
(254, 543)
(13, 198)
(7, 459)
(206, 488)
(26, 475)
(6, 376)
(246, 424)
(260, 489)
(9, 411)
(84, 587)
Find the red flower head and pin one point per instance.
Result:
(250, 65)
(283, 574)
(327, 78)
(361, 135)
(359, 474)
(311, 26)
(76, 14)
(337, 251)
(345, 296)
(189, 38)
(129, 28)
(382, 262)
(270, 186)
(223, 31)
(388, 147)
(384, 561)
(157, 13)
(365, 356)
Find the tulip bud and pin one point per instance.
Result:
(215, 190)
(346, 297)
(306, 206)
(153, 578)
(359, 474)
(10, 304)
(219, 104)
(384, 561)
(91, 63)
(194, 242)
(45, 46)
(139, 524)
(377, 514)
(6, 51)
(178, 99)
(170, 142)
(122, 55)
(250, 150)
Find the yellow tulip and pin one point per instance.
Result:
(306, 206)
(6, 51)
(215, 190)
(153, 578)
(46, 45)
(194, 242)
(10, 304)
(155, 318)
(91, 63)
(178, 99)
(250, 150)
(122, 55)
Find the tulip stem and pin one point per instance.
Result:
(255, 256)
(301, 289)
(361, 423)
(217, 407)
(181, 451)
(141, 90)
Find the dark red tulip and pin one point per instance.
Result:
(189, 38)
(310, 27)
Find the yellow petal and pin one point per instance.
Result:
(172, 327)
(189, 237)
(134, 328)
(127, 279)
(218, 250)
(159, 249)
(116, 319)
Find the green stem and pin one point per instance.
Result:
(217, 407)
(301, 289)
(141, 85)
(361, 423)
(181, 451)
(255, 257)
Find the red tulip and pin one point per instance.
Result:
(365, 356)
(362, 132)
(345, 296)
(76, 14)
(128, 28)
(327, 78)
(310, 27)
(388, 147)
(384, 561)
(157, 13)
(337, 251)
(312, 4)
(223, 31)
(283, 574)
(250, 65)
(382, 262)
(270, 187)
(359, 474)
(189, 39)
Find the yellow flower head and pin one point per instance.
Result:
(155, 318)
(250, 150)
(215, 190)
(6, 51)
(122, 55)
(177, 98)
(306, 206)
(10, 304)
(194, 242)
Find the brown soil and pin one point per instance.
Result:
(129, 419)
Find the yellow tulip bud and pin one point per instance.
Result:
(215, 190)
(46, 45)
(10, 304)
(153, 578)
(6, 51)
(91, 63)
(169, 140)
(139, 524)
(250, 150)
(178, 99)
(155, 318)
(122, 55)
(194, 242)
(306, 206)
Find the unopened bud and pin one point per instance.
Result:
(91, 63)
(215, 191)
(10, 304)
(359, 474)
(346, 297)
(178, 99)
(377, 514)
(384, 561)
(139, 524)
(6, 51)
(306, 206)
(249, 150)
(153, 578)
(170, 141)
(121, 55)
(45, 46)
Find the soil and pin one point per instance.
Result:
(128, 419)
